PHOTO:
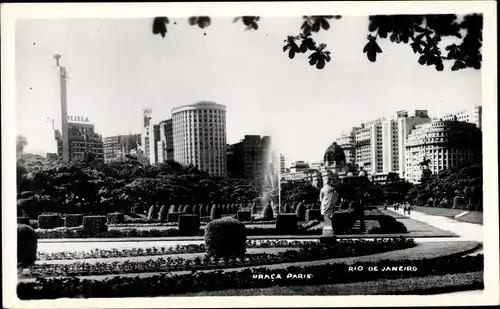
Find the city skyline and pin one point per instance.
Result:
(114, 76)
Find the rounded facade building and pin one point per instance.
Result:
(444, 143)
(199, 133)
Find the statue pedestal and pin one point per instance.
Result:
(327, 236)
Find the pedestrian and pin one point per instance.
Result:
(409, 209)
(404, 209)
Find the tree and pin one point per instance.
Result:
(422, 32)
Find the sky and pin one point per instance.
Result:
(117, 67)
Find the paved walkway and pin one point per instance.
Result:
(466, 231)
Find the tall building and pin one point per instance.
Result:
(250, 158)
(150, 137)
(390, 157)
(406, 123)
(166, 143)
(116, 147)
(81, 138)
(282, 164)
(472, 115)
(199, 136)
(347, 141)
(444, 143)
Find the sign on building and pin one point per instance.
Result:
(72, 118)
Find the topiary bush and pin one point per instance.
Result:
(93, 225)
(188, 209)
(173, 216)
(254, 208)
(286, 208)
(343, 221)
(48, 221)
(26, 246)
(301, 212)
(268, 213)
(172, 208)
(286, 223)
(196, 209)
(115, 218)
(244, 215)
(153, 212)
(444, 204)
(162, 214)
(215, 213)
(457, 202)
(203, 211)
(23, 220)
(73, 220)
(313, 214)
(189, 225)
(61, 222)
(225, 237)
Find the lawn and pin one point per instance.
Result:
(419, 285)
(475, 217)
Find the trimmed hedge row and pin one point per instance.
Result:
(225, 237)
(26, 246)
(215, 280)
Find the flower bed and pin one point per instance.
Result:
(163, 285)
(178, 249)
(308, 251)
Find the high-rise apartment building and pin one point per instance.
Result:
(116, 147)
(282, 164)
(81, 139)
(199, 136)
(347, 141)
(250, 158)
(150, 137)
(444, 143)
(166, 143)
(406, 123)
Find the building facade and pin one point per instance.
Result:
(116, 147)
(81, 139)
(444, 143)
(249, 158)
(199, 136)
(472, 115)
(165, 145)
(347, 141)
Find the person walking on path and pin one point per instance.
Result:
(408, 209)
(404, 209)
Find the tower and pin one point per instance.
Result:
(62, 75)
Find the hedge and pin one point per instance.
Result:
(244, 215)
(93, 225)
(189, 225)
(225, 237)
(215, 213)
(286, 223)
(48, 221)
(23, 220)
(73, 220)
(313, 214)
(162, 214)
(153, 212)
(188, 209)
(26, 246)
(115, 218)
(61, 221)
(268, 212)
(203, 211)
(173, 216)
(153, 286)
(172, 208)
(254, 208)
(343, 221)
(301, 211)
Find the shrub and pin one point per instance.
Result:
(244, 215)
(34, 224)
(26, 246)
(301, 211)
(235, 208)
(313, 214)
(225, 237)
(27, 206)
(172, 208)
(444, 204)
(286, 208)
(188, 209)
(116, 218)
(173, 216)
(133, 209)
(254, 207)
(457, 202)
(286, 223)
(196, 209)
(343, 221)
(23, 220)
(73, 220)
(310, 224)
(215, 213)
(153, 212)
(189, 224)
(48, 221)
(268, 213)
(388, 225)
(209, 208)
(162, 214)
(93, 225)
(203, 211)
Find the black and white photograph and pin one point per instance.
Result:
(206, 150)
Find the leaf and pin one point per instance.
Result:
(321, 46)
(418, 28)
(204, 21)
(192, 20)
(377, 48)
(316, 26)
(236, 19)
(321, 64)
(422, 59)
(291, 54)
(440, 66)
(455, 66)
(159, 26)
(255, 25)
(285, 48)
(325, 24)
(327, 56)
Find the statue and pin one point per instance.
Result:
(329, 197)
